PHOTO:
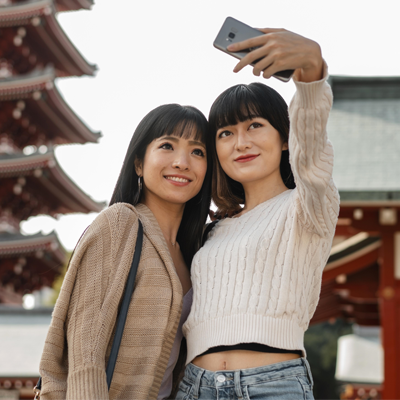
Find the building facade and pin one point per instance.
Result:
(361, 281)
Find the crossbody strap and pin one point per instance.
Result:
(130, 283)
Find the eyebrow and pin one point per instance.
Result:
(249, 118)
(176, 140)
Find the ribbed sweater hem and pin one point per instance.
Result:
(88, 383)
(244, 328)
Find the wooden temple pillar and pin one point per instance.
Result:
(389, 301)
(383, 219)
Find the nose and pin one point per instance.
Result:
(243, 141)
(181, 161)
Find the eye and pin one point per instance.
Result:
(198, 152)
(255, 125)
(166, 146)
(224, 134)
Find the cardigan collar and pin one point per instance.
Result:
(154, 233)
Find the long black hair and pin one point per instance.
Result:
(240, 103)
(170, 120)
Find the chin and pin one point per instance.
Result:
(177, 200)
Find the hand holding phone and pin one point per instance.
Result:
(272, 52)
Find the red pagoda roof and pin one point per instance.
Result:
(18, 245)
(36, 184)
(350, 281)
(67, 5)
(28, 263)
(44, 34)
(72, 5)
(38, 103)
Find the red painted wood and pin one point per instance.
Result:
(344, 230)
(390, 313)
(352, 266)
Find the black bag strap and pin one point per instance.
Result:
(121, 319)
(130, 283)
(208, 230)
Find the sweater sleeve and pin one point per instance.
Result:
(311, 157)
(86, 312)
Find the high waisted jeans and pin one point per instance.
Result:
(288, 380)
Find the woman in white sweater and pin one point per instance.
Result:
(257, 279)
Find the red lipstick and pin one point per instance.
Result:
(246, 158)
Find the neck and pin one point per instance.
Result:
(168, 216)
(258, 192)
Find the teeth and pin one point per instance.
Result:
(176, 179)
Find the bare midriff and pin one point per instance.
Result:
(240, 359)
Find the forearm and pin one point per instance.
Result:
(89, 382)
(311, 155)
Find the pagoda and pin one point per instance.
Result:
(34, 119)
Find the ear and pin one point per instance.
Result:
(285, 146)
(138, 167)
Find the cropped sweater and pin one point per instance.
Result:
(258, 276)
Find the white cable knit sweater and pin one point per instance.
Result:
(258, 277)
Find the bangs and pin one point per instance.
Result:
(185, 122)
(235, 105)
(186, 129)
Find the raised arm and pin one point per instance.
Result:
(311, 153)
(311, 157)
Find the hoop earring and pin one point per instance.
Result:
(140, 184)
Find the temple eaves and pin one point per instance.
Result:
(36, 23)
(35, 97)
(73, 5)
(50, 190)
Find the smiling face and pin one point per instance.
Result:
(173, 169)
(250, 151)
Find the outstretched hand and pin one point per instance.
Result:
(279, 50)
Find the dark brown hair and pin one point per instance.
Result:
(180, 121)
(238, 104)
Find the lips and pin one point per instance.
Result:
(178, 180)
(246, 158)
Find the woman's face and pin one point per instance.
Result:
(250, 151)
(173, 169)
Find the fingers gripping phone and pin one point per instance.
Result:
(234, 31)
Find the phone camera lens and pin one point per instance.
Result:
(231, 35)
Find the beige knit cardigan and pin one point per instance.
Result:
(80, 335)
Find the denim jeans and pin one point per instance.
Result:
(288, 380)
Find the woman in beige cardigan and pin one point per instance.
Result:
(164, 182)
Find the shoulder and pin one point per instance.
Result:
(112, 222)
(118, 214)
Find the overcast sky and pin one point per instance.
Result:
(156, 52)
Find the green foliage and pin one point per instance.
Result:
(321, 345)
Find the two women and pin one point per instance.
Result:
(256, 281)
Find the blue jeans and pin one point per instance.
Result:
(288, 380)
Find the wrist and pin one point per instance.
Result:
(314, 70)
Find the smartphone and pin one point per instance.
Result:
(234, 31)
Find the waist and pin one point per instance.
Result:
(233, 329)
(247, 376)
(243, 356)
(258, 347)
